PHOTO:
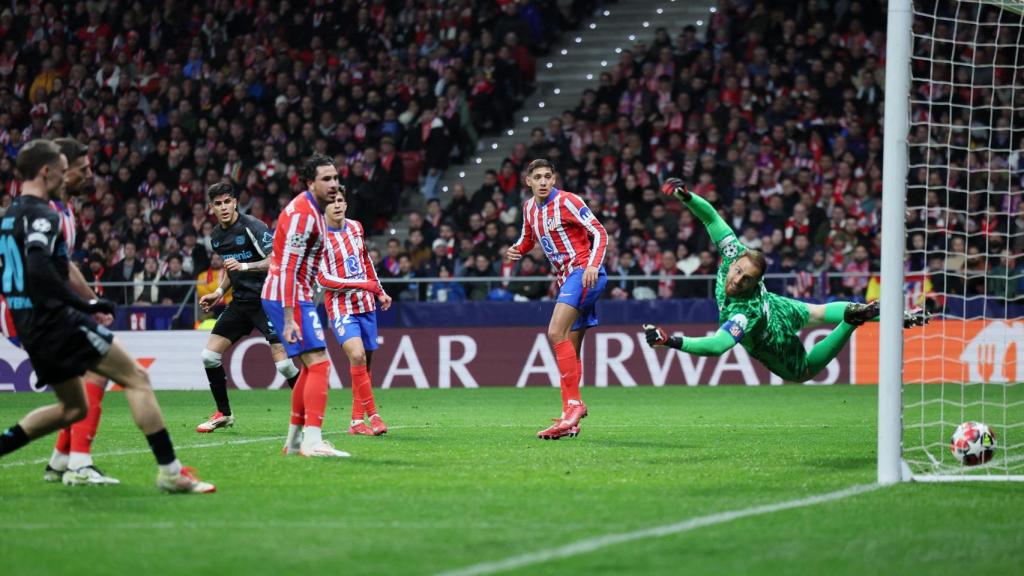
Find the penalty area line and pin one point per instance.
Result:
(601, 542)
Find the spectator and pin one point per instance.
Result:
(124, 270)
(174, 294)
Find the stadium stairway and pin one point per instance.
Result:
(590, 50)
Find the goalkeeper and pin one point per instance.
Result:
(766, 324)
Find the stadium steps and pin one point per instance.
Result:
(568, 74)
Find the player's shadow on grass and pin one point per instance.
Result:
(666, 444)
(842, 463)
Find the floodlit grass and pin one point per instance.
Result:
(461, 480)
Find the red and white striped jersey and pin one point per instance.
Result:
(346, 259)
(67, 223)
(298, 242)
(567, 231)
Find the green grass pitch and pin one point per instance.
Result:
(460, 480)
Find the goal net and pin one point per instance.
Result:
(965, 236)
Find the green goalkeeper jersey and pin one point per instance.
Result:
(765, 324)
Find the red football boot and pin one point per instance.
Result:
(377, 425)
(360, 429)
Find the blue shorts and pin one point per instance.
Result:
(362, 325)
(310, 327)
(584, 300)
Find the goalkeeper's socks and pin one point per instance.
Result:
(219, 387)
(362, 389)
(835, 312)
(298, 399)
(315, 393)
(568, 366)
(12, 439)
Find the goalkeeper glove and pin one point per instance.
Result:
(676, 187)
(657, 337)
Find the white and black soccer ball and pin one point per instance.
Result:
(973, 443)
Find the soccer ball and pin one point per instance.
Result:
(973, 443)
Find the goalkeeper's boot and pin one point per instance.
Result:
(215, 421)
(360, 429)
(184, 482)
(377, 425)
(916, 317)
(87, 476)
(857, 314)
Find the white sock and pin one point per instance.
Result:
(58, 460)
(575, 402)
(79, 460)
(172, 468)
(354, 422)
(311, 435)
(294, 436)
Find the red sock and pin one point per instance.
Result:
(63, 444)
(84, 431)
(568, 366)
(315, 394)
(357, 405)
(298, 406)
(361, 385)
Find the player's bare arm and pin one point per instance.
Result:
(236, 266)
(213, 298)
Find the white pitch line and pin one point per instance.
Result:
(601, 542)
(257, 439)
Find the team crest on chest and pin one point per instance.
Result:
(549, 223)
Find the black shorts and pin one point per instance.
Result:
(68, 349)
(239, 319)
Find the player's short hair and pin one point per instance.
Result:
(71, 148)
(538, 164)
(757, 258)
(33, 156)
(309, 167)
(220, 189)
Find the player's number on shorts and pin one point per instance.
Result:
(13, 270)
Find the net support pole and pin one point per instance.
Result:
(894, 180)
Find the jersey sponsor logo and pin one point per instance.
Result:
(7, 223)
(42, 225)
(547, 245)
(240, 256)
(352, 265)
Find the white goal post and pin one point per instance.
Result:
(953, 229)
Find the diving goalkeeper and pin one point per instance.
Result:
(766, 324)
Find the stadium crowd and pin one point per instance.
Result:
(174, 96)
(772, 111)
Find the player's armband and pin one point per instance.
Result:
(736, 327)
